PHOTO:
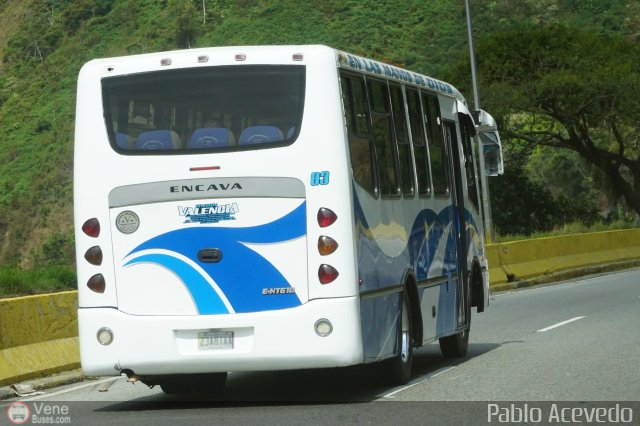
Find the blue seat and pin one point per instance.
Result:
(123, 140)
(211, 137)
(260, 134)
(158, 139)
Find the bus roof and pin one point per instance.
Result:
(360, 64)
(228, 55)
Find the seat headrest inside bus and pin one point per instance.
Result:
(260, 134)
(211, 137)
(158, 139)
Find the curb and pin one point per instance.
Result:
(558, 277)
(61, 379)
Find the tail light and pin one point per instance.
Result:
(105, 336)
(91, 227)
(94, 256)
(96, 283)
(323, 327)
(326, 217)
(326, 245)
(327, 274)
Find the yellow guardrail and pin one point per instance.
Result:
(552, 256)
(38, 334)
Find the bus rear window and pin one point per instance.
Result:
(204, 109)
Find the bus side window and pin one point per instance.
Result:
(388, 179)
(402, 141)
(419, 144)
(437, 153)
(466, 133)
(357, 122)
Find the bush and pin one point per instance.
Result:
(521, 206)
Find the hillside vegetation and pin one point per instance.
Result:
(43, 44)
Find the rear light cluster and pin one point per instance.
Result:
(97, 282)
(326, 246)
(94, 255)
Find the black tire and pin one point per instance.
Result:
(210, 384)
(398, 368)
(455, 346)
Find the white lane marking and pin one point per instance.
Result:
(560, 324)
(390, 394)
(86, 385)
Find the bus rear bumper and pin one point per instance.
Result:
(273, 340)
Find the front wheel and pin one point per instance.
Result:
(398, 368)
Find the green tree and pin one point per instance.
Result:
(182, 24)
(568, 88)
(535, 212)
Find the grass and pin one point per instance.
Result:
(15, 281)
(568, 229)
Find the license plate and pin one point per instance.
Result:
(213, 340)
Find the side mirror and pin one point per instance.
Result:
(490, 143)
(492, 152)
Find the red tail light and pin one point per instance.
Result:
(91, 227)
(327, 274)
(326, 217)
(96, 283)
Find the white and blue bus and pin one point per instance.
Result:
(273, 208)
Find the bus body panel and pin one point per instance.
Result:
(150, 290)
(414, 236)
(276, 340)
(211, 256)
(421, 235)
(227, 242)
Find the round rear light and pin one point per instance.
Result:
(105, 336)
(323, 327)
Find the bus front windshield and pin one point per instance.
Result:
(205, 109)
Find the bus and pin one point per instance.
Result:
(273, 208)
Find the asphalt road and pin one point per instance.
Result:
(574, 341)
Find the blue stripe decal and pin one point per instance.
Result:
(378, 271)
(242, 273)
(204, 296)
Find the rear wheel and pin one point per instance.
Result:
(190, 384)
(455, 346)
(398, 368)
